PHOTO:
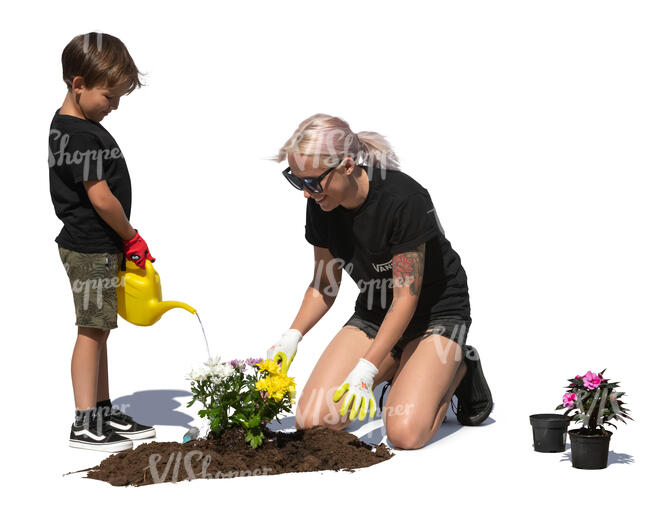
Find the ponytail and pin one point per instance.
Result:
(331, 137)
(376, 150)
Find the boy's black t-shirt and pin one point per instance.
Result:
(81, 150)
(397, 216)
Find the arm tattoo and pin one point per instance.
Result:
(408, 269)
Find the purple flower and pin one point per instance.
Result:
(568, 400)
(253, 361)
(591, 380)
(237, 364)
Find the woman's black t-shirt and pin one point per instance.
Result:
(82, 150)
(397, 216)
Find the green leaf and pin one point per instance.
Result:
(238, 417)
(255, 439)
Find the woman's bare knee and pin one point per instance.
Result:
(335, 423)
(405, 434)
(317, 408)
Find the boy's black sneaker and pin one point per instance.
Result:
(88, 433)
(473, 394)
(125, 426)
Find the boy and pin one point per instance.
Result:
(91, 192)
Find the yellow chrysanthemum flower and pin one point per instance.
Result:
(287, 383)
(277, 386)
(263, 385)
(269, 386)
(268, 366)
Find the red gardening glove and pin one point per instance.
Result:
(136, 250)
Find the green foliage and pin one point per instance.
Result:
(231, 398)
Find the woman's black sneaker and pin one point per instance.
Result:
(89, 433)
(124, 425)
(473, 394)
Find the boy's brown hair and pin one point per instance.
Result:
(102, 60)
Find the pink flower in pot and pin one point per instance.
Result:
(568, 400)
(591, 380)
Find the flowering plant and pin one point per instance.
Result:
(242, 393)
(592, 392)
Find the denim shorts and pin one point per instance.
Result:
(93, 279)
(452, 326)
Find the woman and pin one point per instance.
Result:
(412, 315)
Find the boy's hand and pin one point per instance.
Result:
(136, 250)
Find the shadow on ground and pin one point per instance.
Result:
(373, 431)
(612, 458)
(155, 407)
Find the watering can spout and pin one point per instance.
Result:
(164, 306)
(139, 296)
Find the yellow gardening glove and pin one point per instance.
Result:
(285, 349)
(358, 385)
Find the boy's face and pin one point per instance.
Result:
(97, 102)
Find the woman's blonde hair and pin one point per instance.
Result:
(330, 137)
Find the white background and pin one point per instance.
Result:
(526, 121)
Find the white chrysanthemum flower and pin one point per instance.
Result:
(193, 375)
(223, 370)
(214, 369)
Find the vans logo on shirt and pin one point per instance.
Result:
(383, 267)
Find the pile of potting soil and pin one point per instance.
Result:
(228, 456)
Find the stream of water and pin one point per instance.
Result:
(207, 347)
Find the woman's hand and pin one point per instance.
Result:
(358, 385)
(285, 349)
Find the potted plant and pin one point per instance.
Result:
(594, 402)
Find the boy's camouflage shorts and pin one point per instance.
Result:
(94, 280)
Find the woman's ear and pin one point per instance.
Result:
(348, 165)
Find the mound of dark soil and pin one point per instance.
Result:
(228, 456)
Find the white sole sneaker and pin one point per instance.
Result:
(134, 436)
(88, 438)
(126, 444)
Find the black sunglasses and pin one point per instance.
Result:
(311, 183)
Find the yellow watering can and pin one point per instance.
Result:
(139, 295)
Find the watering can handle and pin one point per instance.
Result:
(149, 270)
(137, 250)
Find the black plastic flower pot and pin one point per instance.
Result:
(589, 451)
(549, 432)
